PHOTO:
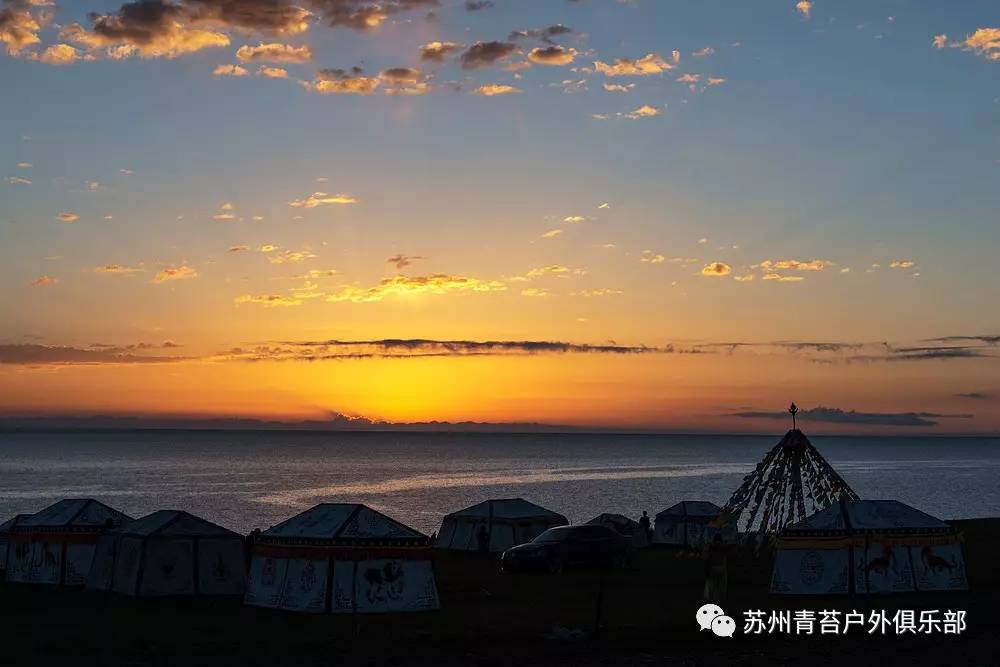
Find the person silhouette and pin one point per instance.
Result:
(644, 524)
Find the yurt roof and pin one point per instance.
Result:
(701, 508)
(74, 513)
(342, 521)
(174, 523)
(507, 508)
(868, 516)
(15, 520)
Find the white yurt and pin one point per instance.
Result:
(5, 529)
(56, 545)
(342, 558)
(687, 524)
(506, 522)
(868, 546)
(623, 525)
(169, 552)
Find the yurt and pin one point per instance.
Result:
(56, 545)
(792, 482)
(169, 552)
(5, 529)
(342, 558)
(688, 524)
(868, 546)
(623, 525)
(504, 523)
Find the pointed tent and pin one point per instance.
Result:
(689, 524)
(169, 552)
(56, 545)
(623, 525)
(792, 482)
(868, 546)
(507, 522)
(342, 558)
(5, 529)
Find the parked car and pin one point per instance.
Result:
(566, 546)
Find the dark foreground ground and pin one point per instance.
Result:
(646, 617)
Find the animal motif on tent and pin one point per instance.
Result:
(385, 583)
(934, 564)
(219, 568)
(792, 482)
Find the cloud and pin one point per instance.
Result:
(268, 300)
(422, 347)
(574, 219)
(649, 257)
(544, 34)
(17, 180)
(20, 22)
(322, 199)
(477, 5)
(793, 265)
(618, 88)
(40, 355)
(437, 52)
(745, 278)
(534, 292)
(364, 14)
(552, 55)
(484, 54)
(183, 272)
(902, 264)
(984, 42)
(688, 78)
(238, 248)
(804, 7)
(343, 82)
(777, 277)
(494, 89)
(645, 111)
(552, 233)
(59, 54)
(402, 261)
(435, 283)
(230, 70)
(701, 53)
(715, 269)
(649, 64)
(44, 281)
(117, 269)
(987, 339)
(404, 81)
(24, 165)
(975, 395)
(550, 270)
(838, 416)
(274, 52)
(923, 353)
(67, 217)
(272, 73)
(591, 293)
(716, 81)
(940, 41)
(291, 257)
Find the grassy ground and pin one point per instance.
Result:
(646, 616)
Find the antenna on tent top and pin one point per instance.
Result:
(792, 409)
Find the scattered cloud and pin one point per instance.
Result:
(534, 292)
(268, 300)
(238, 248)
(291, 257)
(777, 277)
(438, 52)
(44, 281)
(716, 269)
(575, 219)
(804, 7)
(274, 52)
(183, 272)
(644, 111)
(984, 42)
(649, 257)
(477, 5)
(552, 233)
(975, 395)
(649, 64)
(745, 278)
(342, 82)
(619, 88)
(552, 55)
(42, 355)
(435, 283)
(230, 70)
(494, 89)
(117, 269)
(716, 81)
(17, 180)
(484, 54)
(403, 261)
(902, 264)
(703, 52)
(67, 217)
(793, 265)
(940, 41)
(59, 54)
(272, 73)
(20, 23)
(322, 199)
(24, 165)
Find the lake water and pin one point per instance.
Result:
(244, 480)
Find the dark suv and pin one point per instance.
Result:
(561, 547)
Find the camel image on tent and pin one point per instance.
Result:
(5, 529)
(623, 525)
(169, 552)
(868, 546)
(56, 545)
(506, 522)
(342, 558)
(689, 523)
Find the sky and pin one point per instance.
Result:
(643, 214)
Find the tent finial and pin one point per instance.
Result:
(792, 409)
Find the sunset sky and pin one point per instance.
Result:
(632, 214)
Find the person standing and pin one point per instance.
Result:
(644, 524)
